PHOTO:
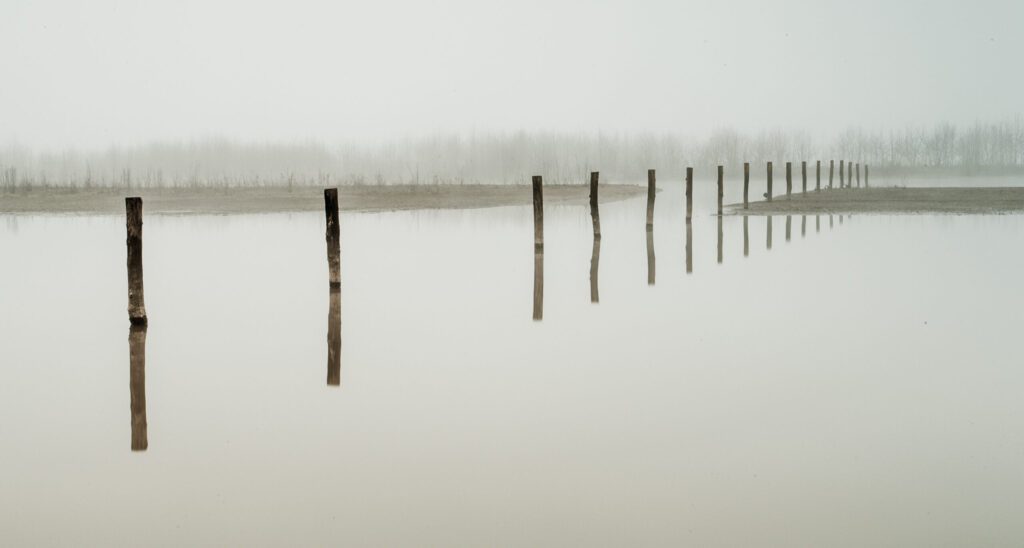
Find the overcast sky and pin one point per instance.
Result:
(96, 73)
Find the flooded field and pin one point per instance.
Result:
(802, 380)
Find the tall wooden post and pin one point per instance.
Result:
(849, 174)
(746, 183)
(136, 296)
(721, 190)
(831, 171)
(789, 179)
(866, 185)
(137, 385)
(769, 193)
(803, 175)
(858, 174)
(842, 171)
(595, 215)
(689, 193)
(650, 198)
(817, 176)
(333, 239)
(538, 211)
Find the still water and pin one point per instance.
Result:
(850, 381)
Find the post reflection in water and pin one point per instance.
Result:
(595, 258)
(538, 282)
(789, 224)
(137, 386)
(719, 239)
(689, 246)
(650, 255)
(769, 231)
(831, 221)
(817, 223)
(746, 236)
(803, 225)
(334, 338)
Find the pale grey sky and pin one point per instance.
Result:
(92, 74)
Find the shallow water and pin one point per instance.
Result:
(858, 384)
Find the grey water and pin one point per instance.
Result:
(855, 382)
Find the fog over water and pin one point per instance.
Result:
(87, 75)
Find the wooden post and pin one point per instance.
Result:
(595, 215)
(137, 385)
(721, 190)
(866, 185)
(831, 171)
(746, 183)
(769, 193)
(689, 193)
(334, 338)
(803, 175)
(746, 237)
(858, 174)
(333, 240)
(538, 211)
(136, 296)
(849, 174)
(842, 171)
(817, 176)
(650, 198)
(789, 179)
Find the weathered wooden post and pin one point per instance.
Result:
(746, 183)
(136, 296)
(746, 237)
(595, 215)
(817, 176)
(831, 171)
(803, 175)
(334, 338)
(858, 174)
(333, 236)
(849, 174)
(842, 170)
(538, 211)
(650, 198)
(721, 190)
(866, 185)
(689, 193)
(769, 193)
(789, 179)
(137, 385)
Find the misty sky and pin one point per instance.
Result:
(91, 74)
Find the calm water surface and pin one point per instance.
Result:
(858, 384)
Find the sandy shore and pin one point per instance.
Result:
(892, 200)
(268, 200)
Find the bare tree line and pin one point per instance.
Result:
(509, 158)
